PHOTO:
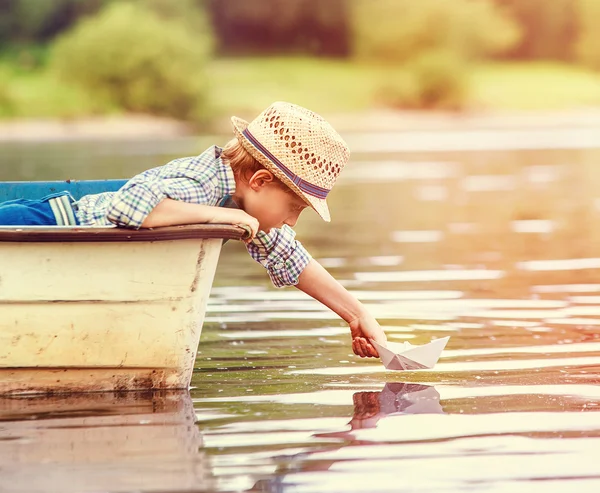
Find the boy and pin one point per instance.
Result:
(285, 160)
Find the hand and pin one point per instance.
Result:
(362, 329)
(236, 217)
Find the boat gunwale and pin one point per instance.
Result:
(77, 234)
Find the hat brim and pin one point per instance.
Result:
(319, 205)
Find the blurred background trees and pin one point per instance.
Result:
(588, 39)
(128, 54)
(281, 27)
(435, 40)
(169, 57)
(549, 29)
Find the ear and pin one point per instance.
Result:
(260, 178)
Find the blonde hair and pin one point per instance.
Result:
(244, 165)
(240, 160)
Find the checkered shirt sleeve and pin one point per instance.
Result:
(281, 254)
(186, 179)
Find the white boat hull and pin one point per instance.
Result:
(95, 316)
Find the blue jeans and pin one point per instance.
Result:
(52, 210)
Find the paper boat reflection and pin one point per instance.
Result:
(369, 407)
(393, 399)
(405, 356)
(130, 441)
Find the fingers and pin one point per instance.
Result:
(252, 224)
(249, 234)
(373, 353)
(356, 348)
(254, 227)
(363, 348)
(252, 230)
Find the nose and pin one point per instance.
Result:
(292, 220)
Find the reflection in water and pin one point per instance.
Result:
(370, 407)
(101, 442)
(395, 398)
(498, 250)
(417, 236)
(568, 264)
(430, 275)
(533, 226)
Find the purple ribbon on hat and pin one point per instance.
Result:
(302, 184)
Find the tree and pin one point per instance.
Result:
(281, 26)
(34, 21)
(130, 56)
(549, 28)
(588, 43)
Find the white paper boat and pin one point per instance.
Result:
(405, 356)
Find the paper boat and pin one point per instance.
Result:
(405, 356)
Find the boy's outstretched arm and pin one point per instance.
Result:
(320, 285)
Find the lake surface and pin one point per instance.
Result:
(490, 238)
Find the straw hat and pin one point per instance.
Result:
(299, 147)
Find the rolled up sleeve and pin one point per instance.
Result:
(192, 180)
(131, 205)
(281, 254)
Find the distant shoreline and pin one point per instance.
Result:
(134, 127)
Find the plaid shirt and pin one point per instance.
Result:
(204, 179)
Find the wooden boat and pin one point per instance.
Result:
(116, 441)
(100, 309)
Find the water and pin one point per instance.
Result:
(496, 246)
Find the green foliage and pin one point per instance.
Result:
(434, 41)
(588, 44)
(398, 30)
(442, 80)
(130, 56)
(33, 21)
(6, 97)
(39, 94)
(190, 13)
(533, 86)
(435, 79)
(549, 28)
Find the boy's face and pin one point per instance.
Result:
(271, 204)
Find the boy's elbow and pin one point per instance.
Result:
(148, 222)
(118, 218)
(130, 206)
